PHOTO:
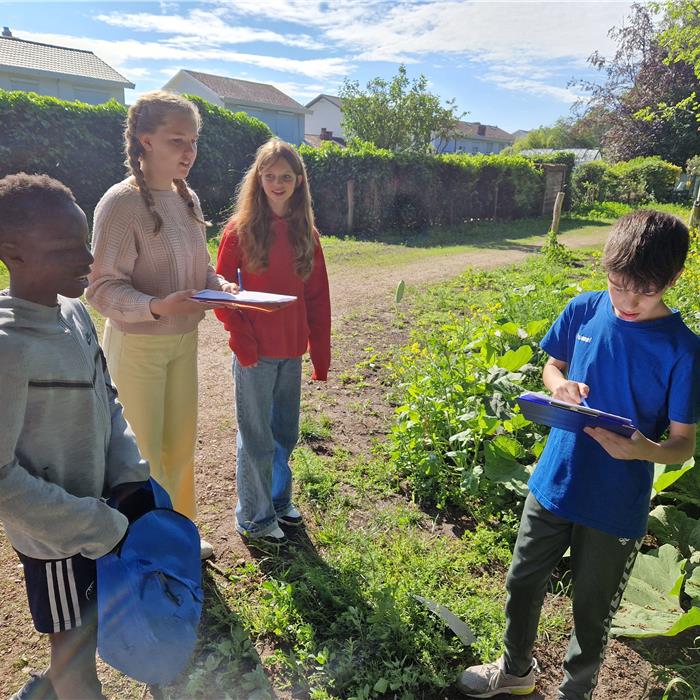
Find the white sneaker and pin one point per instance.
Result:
(205, 550)
(488, 680)
(292, 518)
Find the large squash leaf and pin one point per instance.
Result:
(650, 606)
(671, 525)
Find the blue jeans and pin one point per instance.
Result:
(267, 412)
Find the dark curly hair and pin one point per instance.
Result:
(26, 200)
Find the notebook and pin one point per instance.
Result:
(262, 301)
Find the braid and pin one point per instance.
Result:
(134, 150)
(184, 191)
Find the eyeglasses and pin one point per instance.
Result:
(285, 179)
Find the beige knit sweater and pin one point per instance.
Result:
(134, 265)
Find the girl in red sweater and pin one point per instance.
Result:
(270, 245)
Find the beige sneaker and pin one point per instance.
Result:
(205, 550)
(488, 680)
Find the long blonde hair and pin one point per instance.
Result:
(252, 215)
(146, 114)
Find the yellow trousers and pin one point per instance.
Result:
(156, 377)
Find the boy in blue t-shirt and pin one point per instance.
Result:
(625, 352)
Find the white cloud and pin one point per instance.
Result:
(121, 54)
(538, 44)
(203, 27)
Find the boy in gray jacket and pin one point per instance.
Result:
(64, 443)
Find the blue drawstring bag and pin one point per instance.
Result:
(149, 594)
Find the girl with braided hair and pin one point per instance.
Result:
(150, 253)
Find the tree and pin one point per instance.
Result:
(566, 132)
(638, 78)
(399, 115)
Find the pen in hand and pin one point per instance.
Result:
(240, 279)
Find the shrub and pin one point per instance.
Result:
(410, 191)
(592, 182)
(82, 145)
(644, 179)
(79, 144)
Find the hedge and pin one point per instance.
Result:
(412, 191)
(635, 181)
(82, 145)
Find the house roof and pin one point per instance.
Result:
(331, 98)
(581, 155)
(491, 133)
(315, 140)
(19, 53)
(246, 91)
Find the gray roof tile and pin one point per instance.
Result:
(19, 53)
(246, 91)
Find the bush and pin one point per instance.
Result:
(79, 144)
(643, 179)
(82, 145)
(411, 191)
(592, 182)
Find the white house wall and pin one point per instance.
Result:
(85, 90)
(185, 83)
(324, 114)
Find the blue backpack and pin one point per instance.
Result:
(149, 595)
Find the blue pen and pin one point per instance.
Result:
(240, 279)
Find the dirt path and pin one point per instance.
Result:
(22, 650)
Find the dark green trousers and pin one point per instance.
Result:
(600, 565)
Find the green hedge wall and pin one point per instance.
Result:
(82, 145)
(412, 191)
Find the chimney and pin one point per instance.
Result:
(326, 135)
(6, 32)
(481, 129)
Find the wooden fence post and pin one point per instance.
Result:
(556, 213)
(351, 205)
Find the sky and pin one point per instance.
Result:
(508, 64)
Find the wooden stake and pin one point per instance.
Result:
(351, 205)
(556, 213)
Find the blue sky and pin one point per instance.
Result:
(505, 63)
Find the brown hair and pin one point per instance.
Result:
(146, 114)
(253, 217)
(647, 248)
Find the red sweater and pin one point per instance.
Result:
(290, 331)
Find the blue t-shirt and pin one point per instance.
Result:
(648, 371)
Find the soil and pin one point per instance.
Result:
(363, 312)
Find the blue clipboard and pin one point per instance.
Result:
(543, 409)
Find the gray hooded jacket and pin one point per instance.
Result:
(64, 442)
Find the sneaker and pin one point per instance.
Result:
(206, 551)
(488, 680)
(292, 518)
(274, 536)
(38, 687)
